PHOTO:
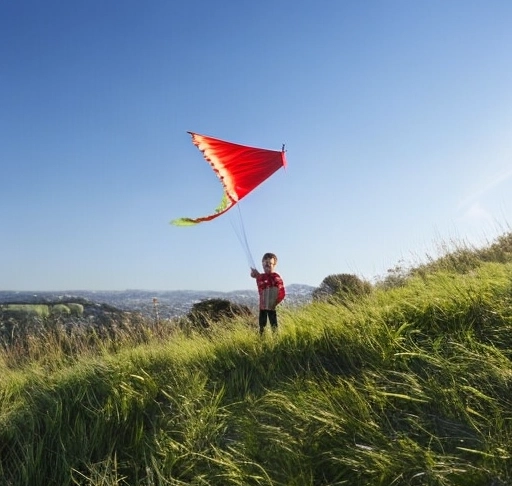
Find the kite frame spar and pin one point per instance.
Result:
(240, 169)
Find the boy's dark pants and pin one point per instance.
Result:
(272, 317)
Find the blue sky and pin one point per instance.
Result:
(396, 115)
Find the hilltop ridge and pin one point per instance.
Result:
(407, 385)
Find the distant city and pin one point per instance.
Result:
(170, 303)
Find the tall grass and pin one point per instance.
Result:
(410, 385)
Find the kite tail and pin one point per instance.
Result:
(239, 229)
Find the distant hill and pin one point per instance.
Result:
(171, 303)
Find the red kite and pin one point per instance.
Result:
(239, 168)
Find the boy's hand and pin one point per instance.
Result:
(254, 272)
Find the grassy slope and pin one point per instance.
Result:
(410, 386)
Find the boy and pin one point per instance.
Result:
(271, 290)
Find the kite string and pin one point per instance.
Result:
(239, 229)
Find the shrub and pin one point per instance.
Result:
(76, 310)
(214, 310)
(60, 310)
(396, 276)
(339, 287)
(25, 311)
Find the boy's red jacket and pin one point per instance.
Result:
(271, 290)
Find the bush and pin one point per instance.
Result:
(76, 310)
(24, 311)
(214, 310)
(60, 310)
(339, 287)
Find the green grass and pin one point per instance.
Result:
(410, 385)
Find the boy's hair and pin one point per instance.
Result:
(269, 255)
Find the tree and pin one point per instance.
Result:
(339, 287)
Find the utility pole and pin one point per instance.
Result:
(155, 310)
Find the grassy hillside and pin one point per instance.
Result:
(410, 385)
